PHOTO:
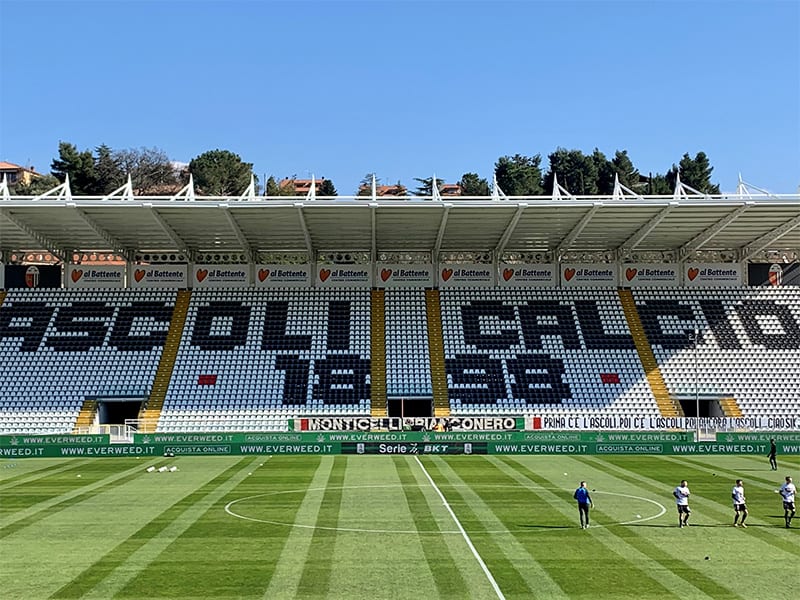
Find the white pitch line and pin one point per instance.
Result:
(477, 556)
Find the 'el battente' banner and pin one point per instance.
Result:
(270, 276)
(535, 275)
(390, 275)
(158, 276)
(656, 275)
(95, 276)
(221, 276)
(350, 276)
(466, 275)
(596, 275)
(712, 275)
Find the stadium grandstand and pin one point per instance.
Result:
(195, 314)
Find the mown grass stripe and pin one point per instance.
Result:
(288, 569)
(439, 560)
(316, 577)
(676, 577)
(221, 556)
(87, 580)
(31, 476)
(58, 502)
(514, 567)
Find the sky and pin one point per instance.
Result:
(407, 89)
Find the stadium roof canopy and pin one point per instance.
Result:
(682, 224)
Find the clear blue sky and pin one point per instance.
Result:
(407, 89)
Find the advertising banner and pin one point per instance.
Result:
(396, 424)
(349, 276)
(595, 275)
(656, 275)
(773, 275)
(95, 276)
(272, 276)
(409, 447)
(158, 276)
(101, 439)
(32, 276)
(712, 275)
(467, 275)
(389, 275)
(537, 275)
(641, 423)
(221, 276)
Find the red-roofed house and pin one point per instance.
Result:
(16, 174)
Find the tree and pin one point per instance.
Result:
(365, 185)
(425, 187)
(151, 170)
(605, 173)
(695, 172)
(472, 185)
(272, 188)
(220, 173)
(78, 165)
(519, 175)
(37, 185)
(629, 175)
(657, 185)
(576, 172)
(108, 175)
(326, 188)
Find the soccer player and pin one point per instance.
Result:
(584, 502)
(773, 462)
(788, 491)
(681, 494)
(739, 506)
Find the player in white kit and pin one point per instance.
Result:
(739, 506)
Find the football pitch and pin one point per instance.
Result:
(392, 527)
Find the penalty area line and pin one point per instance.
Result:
(464, 534)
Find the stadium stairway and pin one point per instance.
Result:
(151, 411)
(378, 355)
(666, 404)
(86, 416)
(730, 407)
(441, 401)
(2, 297)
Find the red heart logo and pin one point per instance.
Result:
(693, 273)
(631, 273)
(447, 274)
(508, 274)
(76, 275)
(202, 274)
(385, 274)
(138, 275)
(569, 274)
(263, 274)
(324, 274)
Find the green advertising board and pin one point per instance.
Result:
(791, 437)
(54, 440)
(395, 447)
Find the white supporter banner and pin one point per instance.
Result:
(712, 275)
(95, 276)
(158, 276)
(467, 275)
(390, 275)
(535, 275)
(650, 275)
(563, 422)
(221, 276)
(350, 276)
(591, 275)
